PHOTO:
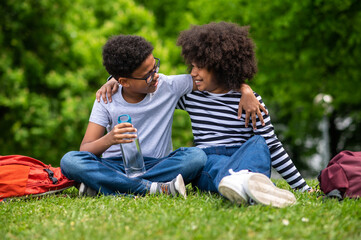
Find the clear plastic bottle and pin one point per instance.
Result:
(131, 153)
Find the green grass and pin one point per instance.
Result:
(200, 216)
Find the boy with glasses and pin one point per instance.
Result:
(148, 101)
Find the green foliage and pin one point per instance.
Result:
(200, 216)
(182, 130)
(51, 67)
(310, 48)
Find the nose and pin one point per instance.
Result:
(194, 72)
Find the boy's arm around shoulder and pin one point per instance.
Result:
(108, 89)
(179, 84)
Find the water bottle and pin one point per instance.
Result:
(132, 155)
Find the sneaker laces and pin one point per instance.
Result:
(238, 173)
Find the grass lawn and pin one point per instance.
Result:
(200, 216)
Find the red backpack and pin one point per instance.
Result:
(25, 176)
(342, 176)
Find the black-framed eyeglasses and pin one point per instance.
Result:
(150, 76)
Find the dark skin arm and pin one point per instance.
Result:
(96, 142)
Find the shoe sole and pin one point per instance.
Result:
(180, 187)
(85, 191)
(262, 190)
(228, 190)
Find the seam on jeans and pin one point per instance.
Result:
(91, 154)
(208, 175)
(210, 179)
(175, 151)
(217, 150)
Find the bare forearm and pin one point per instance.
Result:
(96, 147)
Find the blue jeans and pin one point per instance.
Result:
(253, 155)
(107, 175)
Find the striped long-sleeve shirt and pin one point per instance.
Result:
(214, 123)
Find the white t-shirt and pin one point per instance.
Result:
(152, 117)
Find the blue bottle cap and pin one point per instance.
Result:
(124, 118)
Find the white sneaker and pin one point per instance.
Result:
(261, 189)
(180, 186)
(232, 188)
(244, 187)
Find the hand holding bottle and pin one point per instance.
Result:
(122, 133)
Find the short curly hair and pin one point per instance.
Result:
(222, 48)
(123, 54)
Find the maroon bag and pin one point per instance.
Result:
(342, 176)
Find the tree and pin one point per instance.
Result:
(51, 67)
(304, 48)
(307, 48)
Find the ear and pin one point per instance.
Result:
(124, 82)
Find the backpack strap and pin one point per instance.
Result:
(51, 175)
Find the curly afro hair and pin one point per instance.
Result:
(223, 49)
(123, 54)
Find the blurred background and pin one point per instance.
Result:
(309, 57)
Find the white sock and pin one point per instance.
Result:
(153, 188)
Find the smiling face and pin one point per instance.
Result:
(134, 90)
(205, 81)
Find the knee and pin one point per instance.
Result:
(66, 160)
(71, 161)
(258, 139)
(197, 157)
